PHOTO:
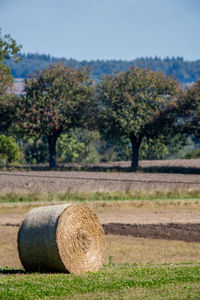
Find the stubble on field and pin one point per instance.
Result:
(129, 249)
(120, 249)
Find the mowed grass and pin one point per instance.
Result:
(113, 281)
(176, 194)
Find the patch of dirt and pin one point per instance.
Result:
(120, 179)
(172, 231)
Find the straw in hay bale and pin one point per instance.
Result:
(61, 238)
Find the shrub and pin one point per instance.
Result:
(193, 153)
(9, 150)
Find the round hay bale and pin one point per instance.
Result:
(61, 238)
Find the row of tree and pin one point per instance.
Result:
(136, 104)
(184, 71)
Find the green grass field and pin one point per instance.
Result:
(113, 281)
(100, 196)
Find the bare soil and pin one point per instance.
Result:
(172, 231)
(154, 176)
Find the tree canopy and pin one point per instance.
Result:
(191, 110)
(138, 103)
(8, 49)
(56, 100)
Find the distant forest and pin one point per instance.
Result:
(184, 71)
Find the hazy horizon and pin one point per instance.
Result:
(89, 60)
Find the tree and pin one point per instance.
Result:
(56, 100)
(190, 110)
(138, 103)
(8, 49)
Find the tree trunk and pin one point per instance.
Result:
(136, 142)
(52, 151)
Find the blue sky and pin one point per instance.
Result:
(104, 29)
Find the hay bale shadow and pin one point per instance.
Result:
(11, 271)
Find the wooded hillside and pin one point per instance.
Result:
(184, 71)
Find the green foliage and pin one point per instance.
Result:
(133, 101)
(6, 81)
(191, 110)
(164, 147)
(34, 150)
(150, 149)
(84, 146)
(112, 149)
(75, 146)
(191, 154)
(9, 150)
(91, 144)
(79, 146)
(7, 112)
(56, 100)
(137, 104)
(68, 147)
(111, 282)
(153, 149)
(8, 49)
(160, 197)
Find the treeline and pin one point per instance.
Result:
(131, 115)
(183, 71)
(65, 114)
